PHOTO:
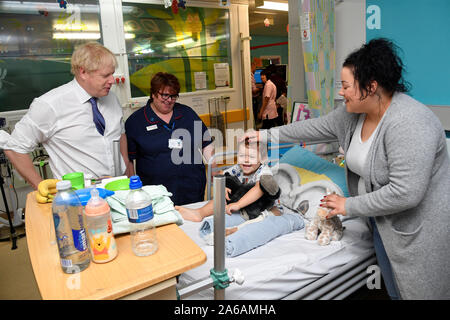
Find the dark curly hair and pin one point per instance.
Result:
(377, 61)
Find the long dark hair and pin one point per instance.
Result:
(378, 61)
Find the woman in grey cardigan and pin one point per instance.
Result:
(398, 170)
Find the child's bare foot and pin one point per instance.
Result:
(229, 231)
(275, 211)
(189, 214)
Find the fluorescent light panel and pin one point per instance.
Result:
(85, 35)
(270, 5)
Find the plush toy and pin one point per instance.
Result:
(305, 199)
(268, 185)
(329, 229)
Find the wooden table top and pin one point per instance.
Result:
(124, 275)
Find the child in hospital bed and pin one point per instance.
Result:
(250, 188)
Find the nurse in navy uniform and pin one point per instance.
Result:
(168, 141)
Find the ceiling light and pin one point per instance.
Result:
(77, 35)
(270, 5)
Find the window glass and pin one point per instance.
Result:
(37, 39)
(187, 43)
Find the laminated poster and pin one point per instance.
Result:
(221, 74)
(200, 80)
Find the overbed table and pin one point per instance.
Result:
(125, 277)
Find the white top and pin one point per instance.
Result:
(62, 121)
(252, 178)
(357, 152)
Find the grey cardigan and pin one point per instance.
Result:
(407, 175)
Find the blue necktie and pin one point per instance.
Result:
(98, 118)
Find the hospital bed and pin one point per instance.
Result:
(290, 266)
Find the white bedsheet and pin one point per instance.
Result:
(281, 266)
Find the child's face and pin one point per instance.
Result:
(248, 159)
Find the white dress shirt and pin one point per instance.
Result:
(62, 121)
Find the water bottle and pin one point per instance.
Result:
(99, 228)
(70, 229)
(140, 215)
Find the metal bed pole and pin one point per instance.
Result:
(219, 234)
(210, 168)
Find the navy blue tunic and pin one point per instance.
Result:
(180, 170)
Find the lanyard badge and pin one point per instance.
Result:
(175, 144)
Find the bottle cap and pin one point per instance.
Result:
(63, 185)
(135, 182)
(96, 205)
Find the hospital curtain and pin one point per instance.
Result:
(317, 34)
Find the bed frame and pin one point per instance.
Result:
(336, 285)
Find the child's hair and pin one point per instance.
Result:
(254, 144)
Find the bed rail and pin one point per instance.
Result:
(339, 284)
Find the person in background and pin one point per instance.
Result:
(268, 112)
(398, 170)
(168, 140)
(282, 108)
(255, 93)
(76, 122)
(280, 97)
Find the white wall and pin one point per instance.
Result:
(350, 32)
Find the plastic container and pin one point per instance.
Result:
(70, 229)
(102, 244)
(140, 215)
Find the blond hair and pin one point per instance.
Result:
(91, 56)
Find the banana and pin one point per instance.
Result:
(46, 185)
(42, 199)
(52, 190)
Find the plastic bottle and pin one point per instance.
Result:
(140, 215)
(99, 228)
(70, 229)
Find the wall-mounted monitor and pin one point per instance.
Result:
(258, 76)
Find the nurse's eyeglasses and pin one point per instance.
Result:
(166, 96)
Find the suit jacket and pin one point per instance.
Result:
(407, 177)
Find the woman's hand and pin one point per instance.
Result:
(335, 203)
(252, 135)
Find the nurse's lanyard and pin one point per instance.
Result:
(169, 129)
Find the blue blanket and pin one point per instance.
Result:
(255, 234)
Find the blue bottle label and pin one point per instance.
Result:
(79, 239)
(140, 215)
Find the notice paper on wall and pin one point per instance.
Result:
(221, 74)
(199, 105)
(200, 80)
